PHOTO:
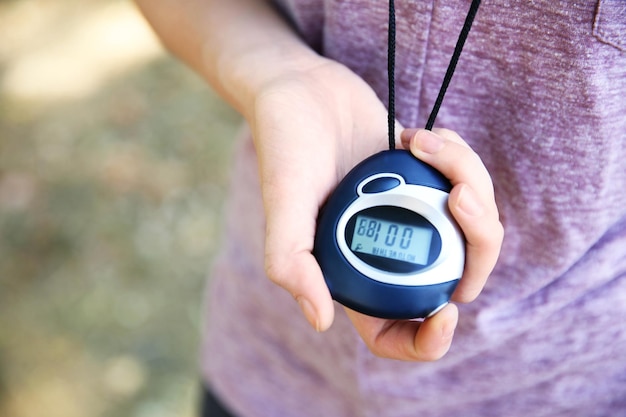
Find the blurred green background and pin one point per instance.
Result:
(113, 167)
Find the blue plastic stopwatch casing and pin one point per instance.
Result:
(386, 242)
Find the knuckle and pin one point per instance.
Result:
(378, 352)
(450, 135)
(420, 354)
(489, 243)
(274, 271)
(465, 162)
(382, 350)
(492, 241)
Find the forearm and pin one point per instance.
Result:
(238, 46)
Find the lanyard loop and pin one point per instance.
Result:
(391, 52)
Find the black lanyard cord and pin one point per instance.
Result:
(467, 25)
(391, 74)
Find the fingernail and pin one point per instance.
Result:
(309, 312)
(468, 203)
(428, 142)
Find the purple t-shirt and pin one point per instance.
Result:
(540, 95)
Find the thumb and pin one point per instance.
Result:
(290, 264)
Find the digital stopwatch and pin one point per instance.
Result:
(386, 242)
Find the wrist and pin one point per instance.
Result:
(246, 75)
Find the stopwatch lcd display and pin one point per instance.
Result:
(393, 239)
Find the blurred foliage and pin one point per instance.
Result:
(109, 215)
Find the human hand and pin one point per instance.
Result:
(472, 203)
(310, 128)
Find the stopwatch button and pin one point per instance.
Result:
(380, 184)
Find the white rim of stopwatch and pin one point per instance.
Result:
(432, 205)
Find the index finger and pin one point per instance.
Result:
(471, 202)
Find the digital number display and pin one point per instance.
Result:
(392, 240)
